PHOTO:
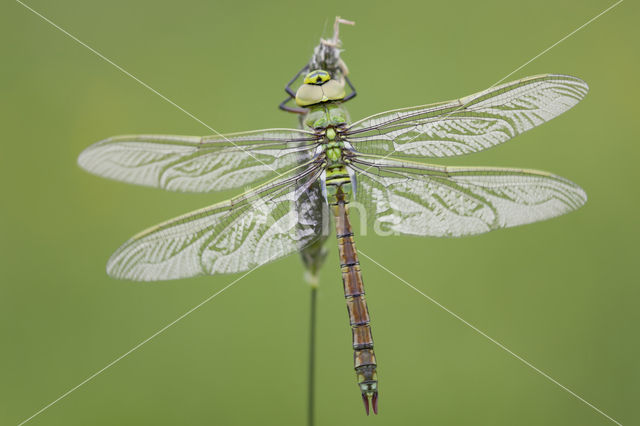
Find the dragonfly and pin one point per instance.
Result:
(295, 176)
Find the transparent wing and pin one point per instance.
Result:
(469, 124)
(234, 236)
(198, 164)
(439, 201)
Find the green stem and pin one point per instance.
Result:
(312, 354)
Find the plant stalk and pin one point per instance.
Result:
(312, 353)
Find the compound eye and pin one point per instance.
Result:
(317, 77)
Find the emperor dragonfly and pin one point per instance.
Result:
(330, 163)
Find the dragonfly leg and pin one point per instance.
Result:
(297, 110)
(353, 90)
(292, 95)
(288, 88)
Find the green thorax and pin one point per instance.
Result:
(325, 115)
(329, 119)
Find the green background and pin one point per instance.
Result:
(563, 294)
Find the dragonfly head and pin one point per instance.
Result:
(318, 87)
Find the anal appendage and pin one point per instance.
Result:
(370, 398)
(368, 383)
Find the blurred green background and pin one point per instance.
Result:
(563, 294)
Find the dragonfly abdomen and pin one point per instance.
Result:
(339, 190)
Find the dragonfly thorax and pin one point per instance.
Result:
(326, 115)
(329, 120)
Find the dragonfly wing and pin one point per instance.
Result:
(469, 124)
(439, 201)
(198, 164)
(234, 236)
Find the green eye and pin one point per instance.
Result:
(317, 77)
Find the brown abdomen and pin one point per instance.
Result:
(362, 339)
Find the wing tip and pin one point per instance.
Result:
(132, 262)
(87, 158)
(583, 197)
(575, 80)
(84, 159)
(113, 268)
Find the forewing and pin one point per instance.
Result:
(198, 164)
(469, 124)
(234, 236)
(439, 201)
